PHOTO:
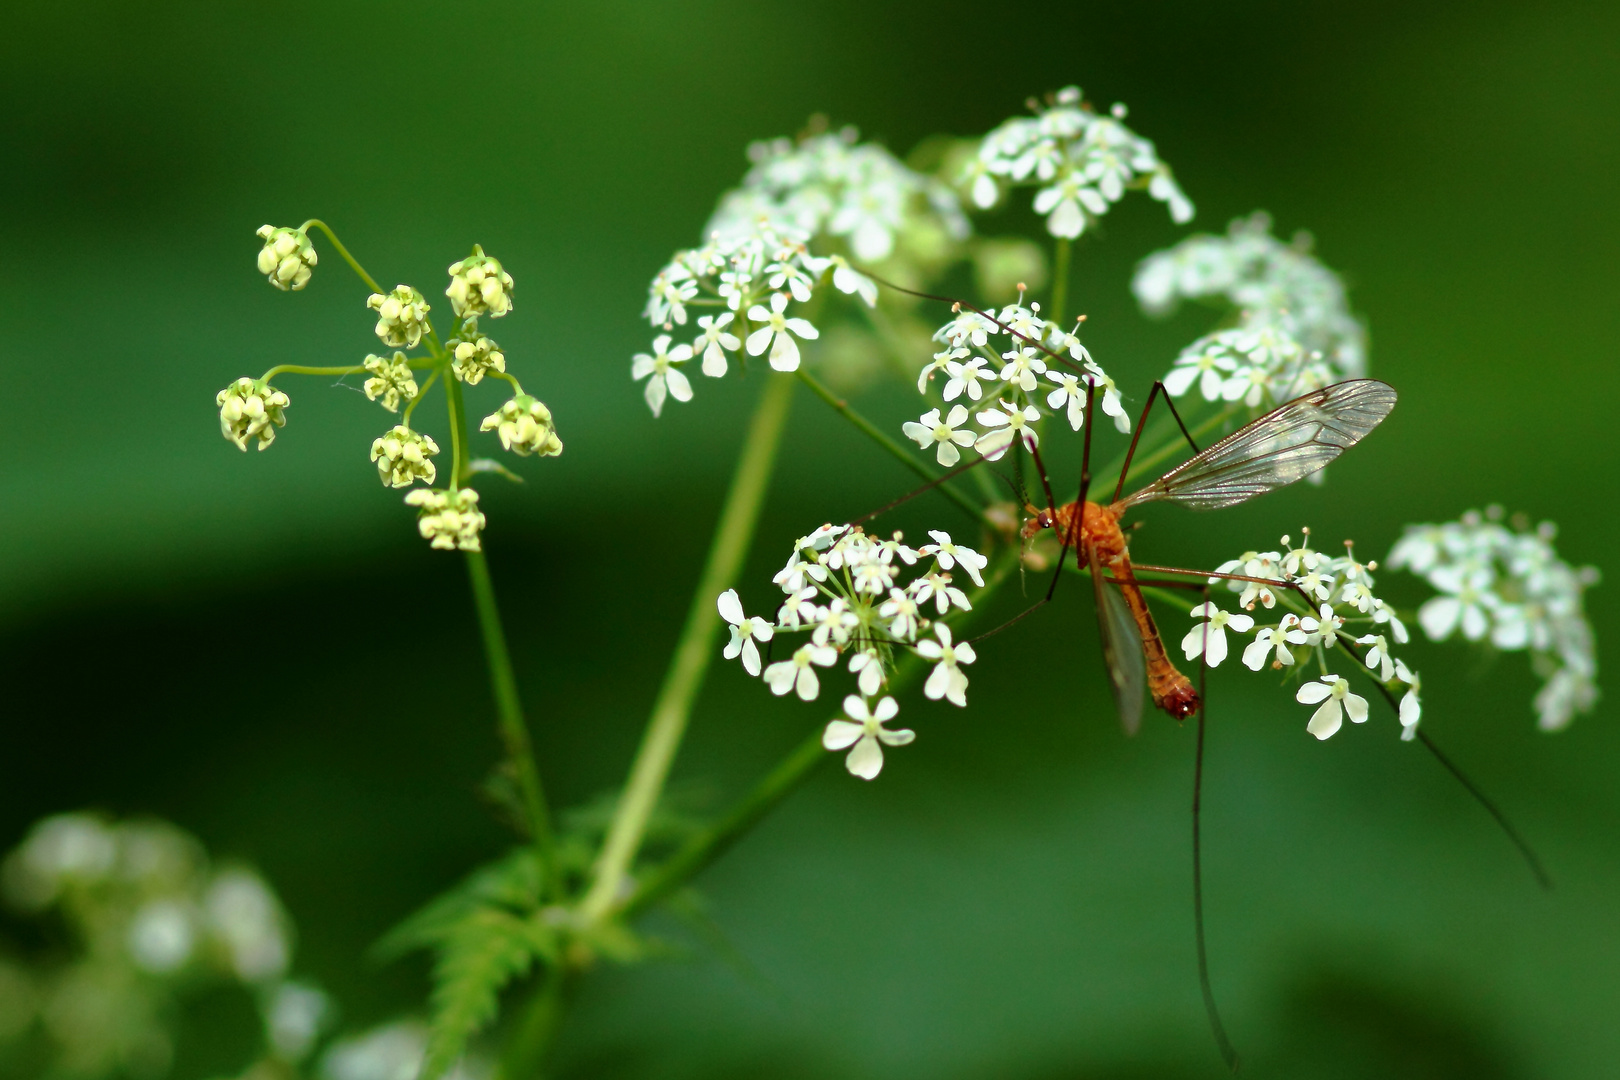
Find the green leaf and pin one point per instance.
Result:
(512, 882)
(478, 956)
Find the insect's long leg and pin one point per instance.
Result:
(931, 485)
(1085, 454)
(1228, 1052)
(1158, 388)
(1051, 503)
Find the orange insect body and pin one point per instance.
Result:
(1103, 542)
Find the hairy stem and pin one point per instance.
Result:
(695, 650)
(341, 250)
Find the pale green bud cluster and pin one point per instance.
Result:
(479, 286)
(248, 410)
(448, 519)
(474, 359)
(402, 457)
(525, 427)
(288, 257)
(401, 316)
(391, 380)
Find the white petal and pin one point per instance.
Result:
(679, 388)
(948, 454)
(1312, 692)
(938, 681)
(1193, 643)
(1241, 623)
(1327, 720)
(785, 353)
(759, 340)
(654, 394)
(807, 685)
(866, 760)
(1216, 652)
(1439, 616)
(887, 709)
(731, 607)
(841, 734)
(750, 657)
(896, 738)
(1356, 706)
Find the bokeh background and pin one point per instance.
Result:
(191, 633)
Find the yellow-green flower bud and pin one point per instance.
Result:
(287, 258)
(474, 359)
(525, 427)
(401, 316)
(402, 457)
(448, 519)
(478, 286)
(248, 410)
(390, 380)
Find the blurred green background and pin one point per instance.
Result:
(201, 635)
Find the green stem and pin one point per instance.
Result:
(713, 841)
(525, 1056)
(420, 394)
(873, 432)
(509, 711)
(1060, 280)
(458, 431)
(301, 369)
(695, 650)
(341, 250)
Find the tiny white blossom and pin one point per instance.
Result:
(1023, 365)
(778, 333)
(903, 612)
(946, 680)
(745, 631)
(940, 362)
(964, 377)
(937, 587)
(473, 359)
(1336, 700)
(867, 667)
(847, 280)
(1265, 640)
(948, 434)
(950, 554)
(1108, 397)
(799, 607)
(865, 732)
(1411, 709)
(1467, 599)
(835, 622)
(666, 379)
(714, 341)
(1070, 396)
(799, 673)
(449, 519)
(1209, 637)
(1314, 631)
(1377, 657)
(1008, 423)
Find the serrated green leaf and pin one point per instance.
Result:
(512, 882)
(478, 957)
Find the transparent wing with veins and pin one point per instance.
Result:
(1287, 444)
(1122, 651)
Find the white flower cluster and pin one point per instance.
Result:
(1010, 382)
(391, 379)
(843, 588)
(287, 258)
(830, 184)
(1507, 585)
(474, 357)
(1339, 594)
(401, 316)
(1083, 163)
(402, 457)
(1295, 329)
(448, 519)
(478, 286)
(525, 427)
(248, 410)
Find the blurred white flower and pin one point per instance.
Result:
(864, 735)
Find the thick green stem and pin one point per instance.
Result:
(509, 712)
(873, 432)
(341, 250)
(1060, 280)
(695, 650)
(531, 1040)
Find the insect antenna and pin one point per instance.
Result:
(931, 485)
(1125, 469)
(1228, 1052)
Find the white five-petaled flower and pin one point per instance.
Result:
(1336, 699)
(1316, 631)
(799, 607)
(930, 430)
(865, 731)
(867, 667)
(714, 341)
(1069, 395)
(1022, 367)
(1378, 658)
(946, 680)
(1466, 597)
(666, 378)
(798, 674)
(940, 362)
(846, 279)
(950, 554)
(937, 587)
(1209, 637)
(902, 610)
(1064, 200)
(784, 350)
(745, 630)
(964, 377)
(1411, 710)
(1007, 423)
(1265, 640)
(1108, 396)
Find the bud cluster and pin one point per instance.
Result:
(401, 316)
(450, 520)
(391, 379)
(402, 457)
(474, 357)
(288, 258)
(525, 427)
(478, 286)
(248, 410)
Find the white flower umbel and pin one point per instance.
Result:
(714, 342)
(799, 673)
(402, 457)
(248, 410)
(865, 733)
(947, 679)
(287, 258)
(1336, 700)
(1506, 586)
(391, 379)
(745, 631)
(401, 317)
(947, 434)
(476, 357)
(1008, 422)
(1209, 637)
(778, 333)
(666, 379)
(478, 286)
(449, 519)
(525, 427)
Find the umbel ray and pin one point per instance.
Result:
(1289, 443)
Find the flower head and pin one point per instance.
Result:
(525, 427)
(248, 410)
(401, 317)
(391, 380)
(864, 731)
(476, 357)
(449, 519)
(287, 257)
(402, 457)
(478, 286)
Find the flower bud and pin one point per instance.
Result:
(402, 457)
(287, 258)
(390, 380)
(478, 286)
(248, 410)
(448, 519)
(525, 427)
(401, 316)
(474, 359)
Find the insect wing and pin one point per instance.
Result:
(1122, 651)
(1289, 443)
